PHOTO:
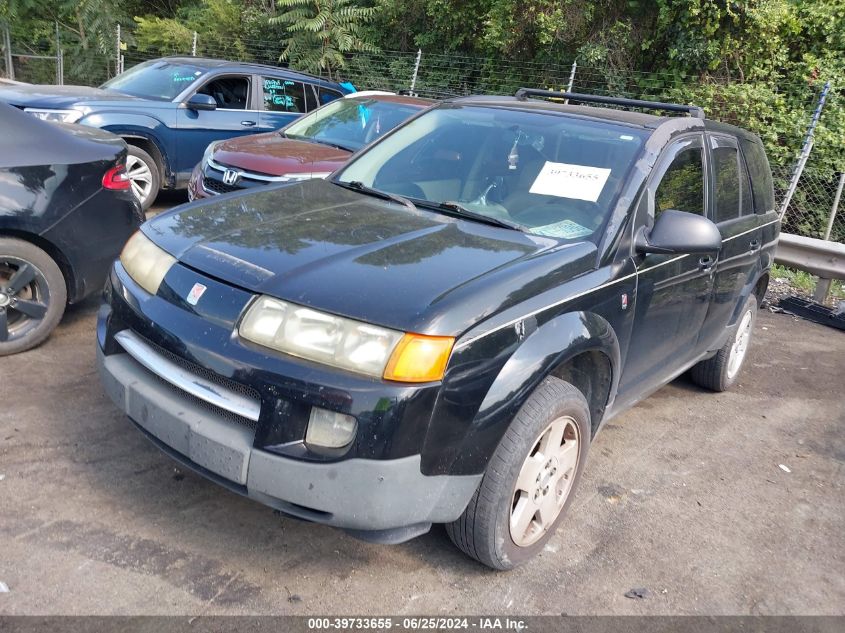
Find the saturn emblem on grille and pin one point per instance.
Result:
(195, 294)
(231, 177)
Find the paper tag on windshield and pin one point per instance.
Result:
(577, 182)
(566, 229)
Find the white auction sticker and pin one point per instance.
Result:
(577, 182)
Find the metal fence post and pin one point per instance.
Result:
(194, 46)
(805, 150)
(60, 80)
(7, 47)
(835, 206)
(416, 71)
(117, 53)
(571, 79)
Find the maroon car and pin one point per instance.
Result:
(313, 146)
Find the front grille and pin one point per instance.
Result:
(216, 186)
(210, 376)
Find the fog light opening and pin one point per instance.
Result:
(329, 429)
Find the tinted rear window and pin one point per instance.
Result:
(761, 175)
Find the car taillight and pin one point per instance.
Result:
(115, 178)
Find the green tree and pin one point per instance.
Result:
(322, 32)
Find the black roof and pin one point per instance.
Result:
(639, 119)
(627, 117)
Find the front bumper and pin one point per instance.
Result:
(386, 499)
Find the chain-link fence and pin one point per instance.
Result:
(44, 60)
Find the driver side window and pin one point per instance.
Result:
(682, 184)
(230, 93)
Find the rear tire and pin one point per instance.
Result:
(33, 295)
(143, 174)
(513, 514)
(721, 371)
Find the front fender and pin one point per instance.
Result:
(469, 441)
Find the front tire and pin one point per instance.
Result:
(33, 295)
(142, 171)
(721, 371)
(530, 480)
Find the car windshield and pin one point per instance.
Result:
(351, 123)
(547, 173)
(161, 80)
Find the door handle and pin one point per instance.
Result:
(754, 245)
(247, 123)
(705, 262)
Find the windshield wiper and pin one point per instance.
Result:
(457, 209)
(357, 185)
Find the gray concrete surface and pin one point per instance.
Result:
(683, 495)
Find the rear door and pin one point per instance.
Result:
(733, 212)
(236, 115)
(673, 291)
(283, 100)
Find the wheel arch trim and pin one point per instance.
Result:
(547, 350)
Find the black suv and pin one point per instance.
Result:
(436, 333)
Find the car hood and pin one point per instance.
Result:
(40, 96)
(317, 244)
(275, 155)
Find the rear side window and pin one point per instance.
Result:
(761, 175)
(283, 95)
(326, 95)
(682, 185)
(730, 180)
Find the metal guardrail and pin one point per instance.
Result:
(818, 257)
(822, 258)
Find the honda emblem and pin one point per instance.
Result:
(231, 177)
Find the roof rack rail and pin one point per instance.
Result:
(693, 111)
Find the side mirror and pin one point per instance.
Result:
(678, 232)
(201, 102)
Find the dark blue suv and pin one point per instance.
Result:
(168, 110)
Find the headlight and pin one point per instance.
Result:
(56, 116)
(345, 343)
(145, 262)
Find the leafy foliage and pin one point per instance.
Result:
(322, 32)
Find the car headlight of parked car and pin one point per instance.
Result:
(56, 116)
(340, 342)
(145, 262)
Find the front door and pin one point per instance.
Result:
(236, 115)
(673, 291)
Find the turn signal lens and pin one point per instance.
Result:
(419, 358)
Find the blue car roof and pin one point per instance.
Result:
(222, 64)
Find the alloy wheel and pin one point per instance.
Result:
(740, 344)
(24, 297)
(140, 178)
(544, 482)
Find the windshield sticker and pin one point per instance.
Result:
(566, 229)
(577, 182)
